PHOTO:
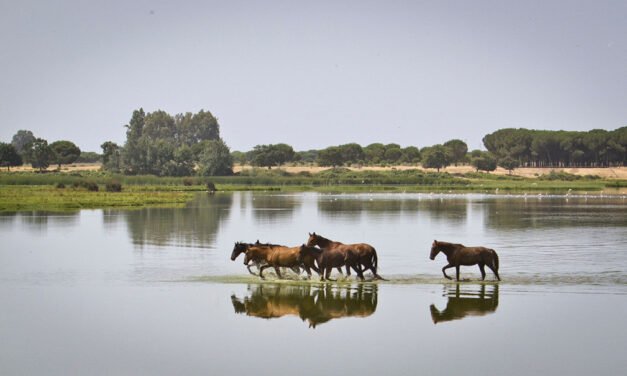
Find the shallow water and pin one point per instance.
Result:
(154, 291)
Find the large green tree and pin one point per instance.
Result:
(457, 150)
(40, 154)
(9, 157)
(215, 159)
(436, 157)
(271, 155)
(331, 156)
(21, 142)
(65, 152)
(111, 156)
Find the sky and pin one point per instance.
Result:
(313, 73)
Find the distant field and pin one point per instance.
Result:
(606, 173)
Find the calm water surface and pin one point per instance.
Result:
(153, 291)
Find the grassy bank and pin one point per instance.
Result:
(32, 191)
(19, 198)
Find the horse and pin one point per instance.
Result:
(458, 254)
(330, 258)
(274, 256)
(365, 253)
(240, 248)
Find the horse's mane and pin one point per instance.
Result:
(449, 245)
(270, 245)
(324, 239)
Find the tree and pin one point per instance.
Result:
(411, 154)
(271, 155)
(374, 153)
(392, 153)
(331, 156)
(435, 157)
(215, 159)
(509, 164)
(21, 141)
(9, 156)
(239, 157)
(65, 152)
(111, 156)
(352, 153)
(40, 154)
(457, 150)
(483, 161)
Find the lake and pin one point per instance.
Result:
(153, 291)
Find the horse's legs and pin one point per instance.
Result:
(360, 274)
(339, 269)
(261, 270)
(444, 270)
(278, 272)
(482, 269)
(496, 273)
(328, 274)
(249, 270)
(296, 269)
(457, 272)
(348, 271)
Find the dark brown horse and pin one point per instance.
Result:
(330, 258)
(458, 254)
(365, 253)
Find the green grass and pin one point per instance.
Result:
(19, 198)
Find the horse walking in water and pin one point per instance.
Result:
(276, 256)
(365, 253)
(328, 259)
(240, 248)
(458, 254)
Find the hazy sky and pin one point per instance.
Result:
(313, 73)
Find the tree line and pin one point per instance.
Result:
(26, 148)
(540, 148)
(161, 144)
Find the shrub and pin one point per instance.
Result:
(113, 186)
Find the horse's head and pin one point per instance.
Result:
(237, 249)
(313, 240)
(306, 250)
(434, 250)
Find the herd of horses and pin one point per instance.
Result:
(322, 255)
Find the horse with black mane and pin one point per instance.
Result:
(277, 256)
(458, 254)
(240, 248)
(364, 254)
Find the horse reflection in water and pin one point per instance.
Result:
(467, 302)
(316, 305)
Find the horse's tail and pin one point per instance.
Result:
(496, 260)
(375, 260)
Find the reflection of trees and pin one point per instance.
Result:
(315, 304)
(536, 212)
(466, 302)
(194, 225)
(351, 208)
(272, 208)
(38, 220)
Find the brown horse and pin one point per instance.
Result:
(458, 254)
(240, 248)
(275, 256)
(365, 253)
(328, 259)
